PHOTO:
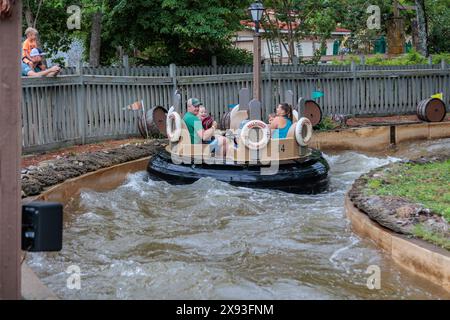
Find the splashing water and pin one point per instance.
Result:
(209, 240)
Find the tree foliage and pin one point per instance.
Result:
(438, 14)
(49, 17)
(181, 31)
(191, 31)
(300, 18)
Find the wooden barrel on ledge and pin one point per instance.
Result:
(431, 110)
(154, 122)
(313, 112)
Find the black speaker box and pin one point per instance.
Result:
(42, 227)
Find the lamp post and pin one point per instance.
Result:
(256, 10)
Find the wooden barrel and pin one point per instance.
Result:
(156, 122)
(225, 121)
(313, 112)
(431, 110)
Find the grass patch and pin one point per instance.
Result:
(428, 184)
(420, 232)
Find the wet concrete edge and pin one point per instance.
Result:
(378, 138)
(417, 256)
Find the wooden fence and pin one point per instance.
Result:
(165, 71)
(84, 108)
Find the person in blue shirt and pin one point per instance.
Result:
(281, 124)
(32, 68)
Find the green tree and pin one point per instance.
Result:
(93, 12)
(179, 31)
(353, 15)
(438, 15)
(191, 31)
(422, 27)
(302, 18)
(49, 17)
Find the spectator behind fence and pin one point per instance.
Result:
(41, 66)
(30, 42)
(34, 70)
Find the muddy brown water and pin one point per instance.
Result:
(210, 240)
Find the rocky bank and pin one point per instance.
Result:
(49, 173)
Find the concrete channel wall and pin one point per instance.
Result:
(419, 257)
(378, 138)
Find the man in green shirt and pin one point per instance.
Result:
(194, 125)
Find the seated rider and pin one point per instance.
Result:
(282, 122)
(197, 132)
(272, 117)
(207, 123)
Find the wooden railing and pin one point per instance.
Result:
(84, 108)
(165, 71)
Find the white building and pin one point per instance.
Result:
(304, 48)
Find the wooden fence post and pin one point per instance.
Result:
(354, 88)
(10, 155)
(173, 75)
(301, 107)
(214, 64)
(126, 65)
(81, 106)
(362, 59)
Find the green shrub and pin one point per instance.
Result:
(326, 124)
(234, 56)
(376, 60)
(437, 58)
(410, 58)
(347, 60)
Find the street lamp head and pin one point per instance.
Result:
(256, 9)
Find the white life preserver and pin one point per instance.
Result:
(264, 139)
(295, 115)
(301, 140)
(173, 126)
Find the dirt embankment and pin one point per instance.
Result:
(51, 172)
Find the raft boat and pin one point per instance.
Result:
(254, 159)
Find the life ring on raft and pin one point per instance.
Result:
(173, 126)
(303, 140)
(264, 138)
(295, 115)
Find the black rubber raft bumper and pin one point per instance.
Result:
(308, 175)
